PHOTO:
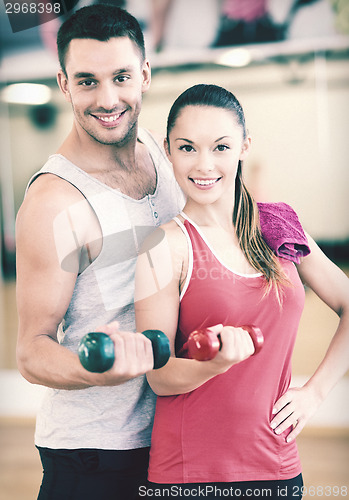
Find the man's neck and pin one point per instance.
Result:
(92, 156)
(128, 168)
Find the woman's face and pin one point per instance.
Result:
(205, 146)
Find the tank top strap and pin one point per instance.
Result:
(203, 257)
(200, 255)
(185, 227)
(156, 151)
(197, 239)
(192, 233)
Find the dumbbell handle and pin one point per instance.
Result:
(204, 344)
(96, 350)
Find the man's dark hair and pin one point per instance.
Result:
(99, 22)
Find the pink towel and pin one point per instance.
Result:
(282, 231)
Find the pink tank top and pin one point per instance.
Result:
(221, 431)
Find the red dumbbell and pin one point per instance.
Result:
(204, 344)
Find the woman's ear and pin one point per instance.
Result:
(167, 149)
(245, 148)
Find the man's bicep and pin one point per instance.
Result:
(44, 288)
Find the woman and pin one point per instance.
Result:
(229, 424)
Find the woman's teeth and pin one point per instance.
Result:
(202, 182)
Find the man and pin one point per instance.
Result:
(85, 214)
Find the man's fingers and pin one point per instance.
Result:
(110, 328)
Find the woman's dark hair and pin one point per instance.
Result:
(245, 214)
(99, 22)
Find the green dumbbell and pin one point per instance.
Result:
(96, 350)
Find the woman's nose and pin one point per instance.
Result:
(206, 163)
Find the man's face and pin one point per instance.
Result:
(104, 83)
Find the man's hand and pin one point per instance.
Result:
(133, 355)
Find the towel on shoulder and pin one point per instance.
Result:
(282, 231)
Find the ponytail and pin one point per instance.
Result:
(252, 244)
(245, 214)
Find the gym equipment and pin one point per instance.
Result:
(96, 350)
(204, 344)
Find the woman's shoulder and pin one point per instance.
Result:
(174, 234)
(169, 233)
(277, 208)
(279, 216)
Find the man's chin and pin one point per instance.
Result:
(115, 140)
(114, 137)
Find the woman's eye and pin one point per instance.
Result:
(222, 147)
(187, 148)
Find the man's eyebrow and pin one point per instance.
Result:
(82, 74)
(127, 69)
(85, 74)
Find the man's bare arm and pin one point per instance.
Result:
(45, 288)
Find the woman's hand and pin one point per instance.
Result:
(294, 409)
(237, 346)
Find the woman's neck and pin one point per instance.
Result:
(217, 215)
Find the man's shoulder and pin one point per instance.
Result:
(47, 196)
(51, 188)
(55, 210)
(157, 137)
(52, 180)
(153, 134)
(151, 139)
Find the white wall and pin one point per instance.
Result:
(297, 116)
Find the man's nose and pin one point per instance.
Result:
(108, 97)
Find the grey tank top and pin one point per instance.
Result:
(117, 417)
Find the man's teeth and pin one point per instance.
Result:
(202, 182)
(109, 118)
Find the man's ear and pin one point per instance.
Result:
(146, 74)
(245, 148)
(62, 81)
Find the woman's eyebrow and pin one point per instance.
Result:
(183, 139)
(224, 137)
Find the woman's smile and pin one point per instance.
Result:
(205, 183)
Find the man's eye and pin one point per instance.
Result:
(187, 148)
(87, 83)
(121, 78)
(222, 147)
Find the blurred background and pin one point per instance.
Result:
(287, 61)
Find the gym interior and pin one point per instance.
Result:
(295, 92)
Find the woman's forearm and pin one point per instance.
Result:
(335, 363)
(180, 376)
